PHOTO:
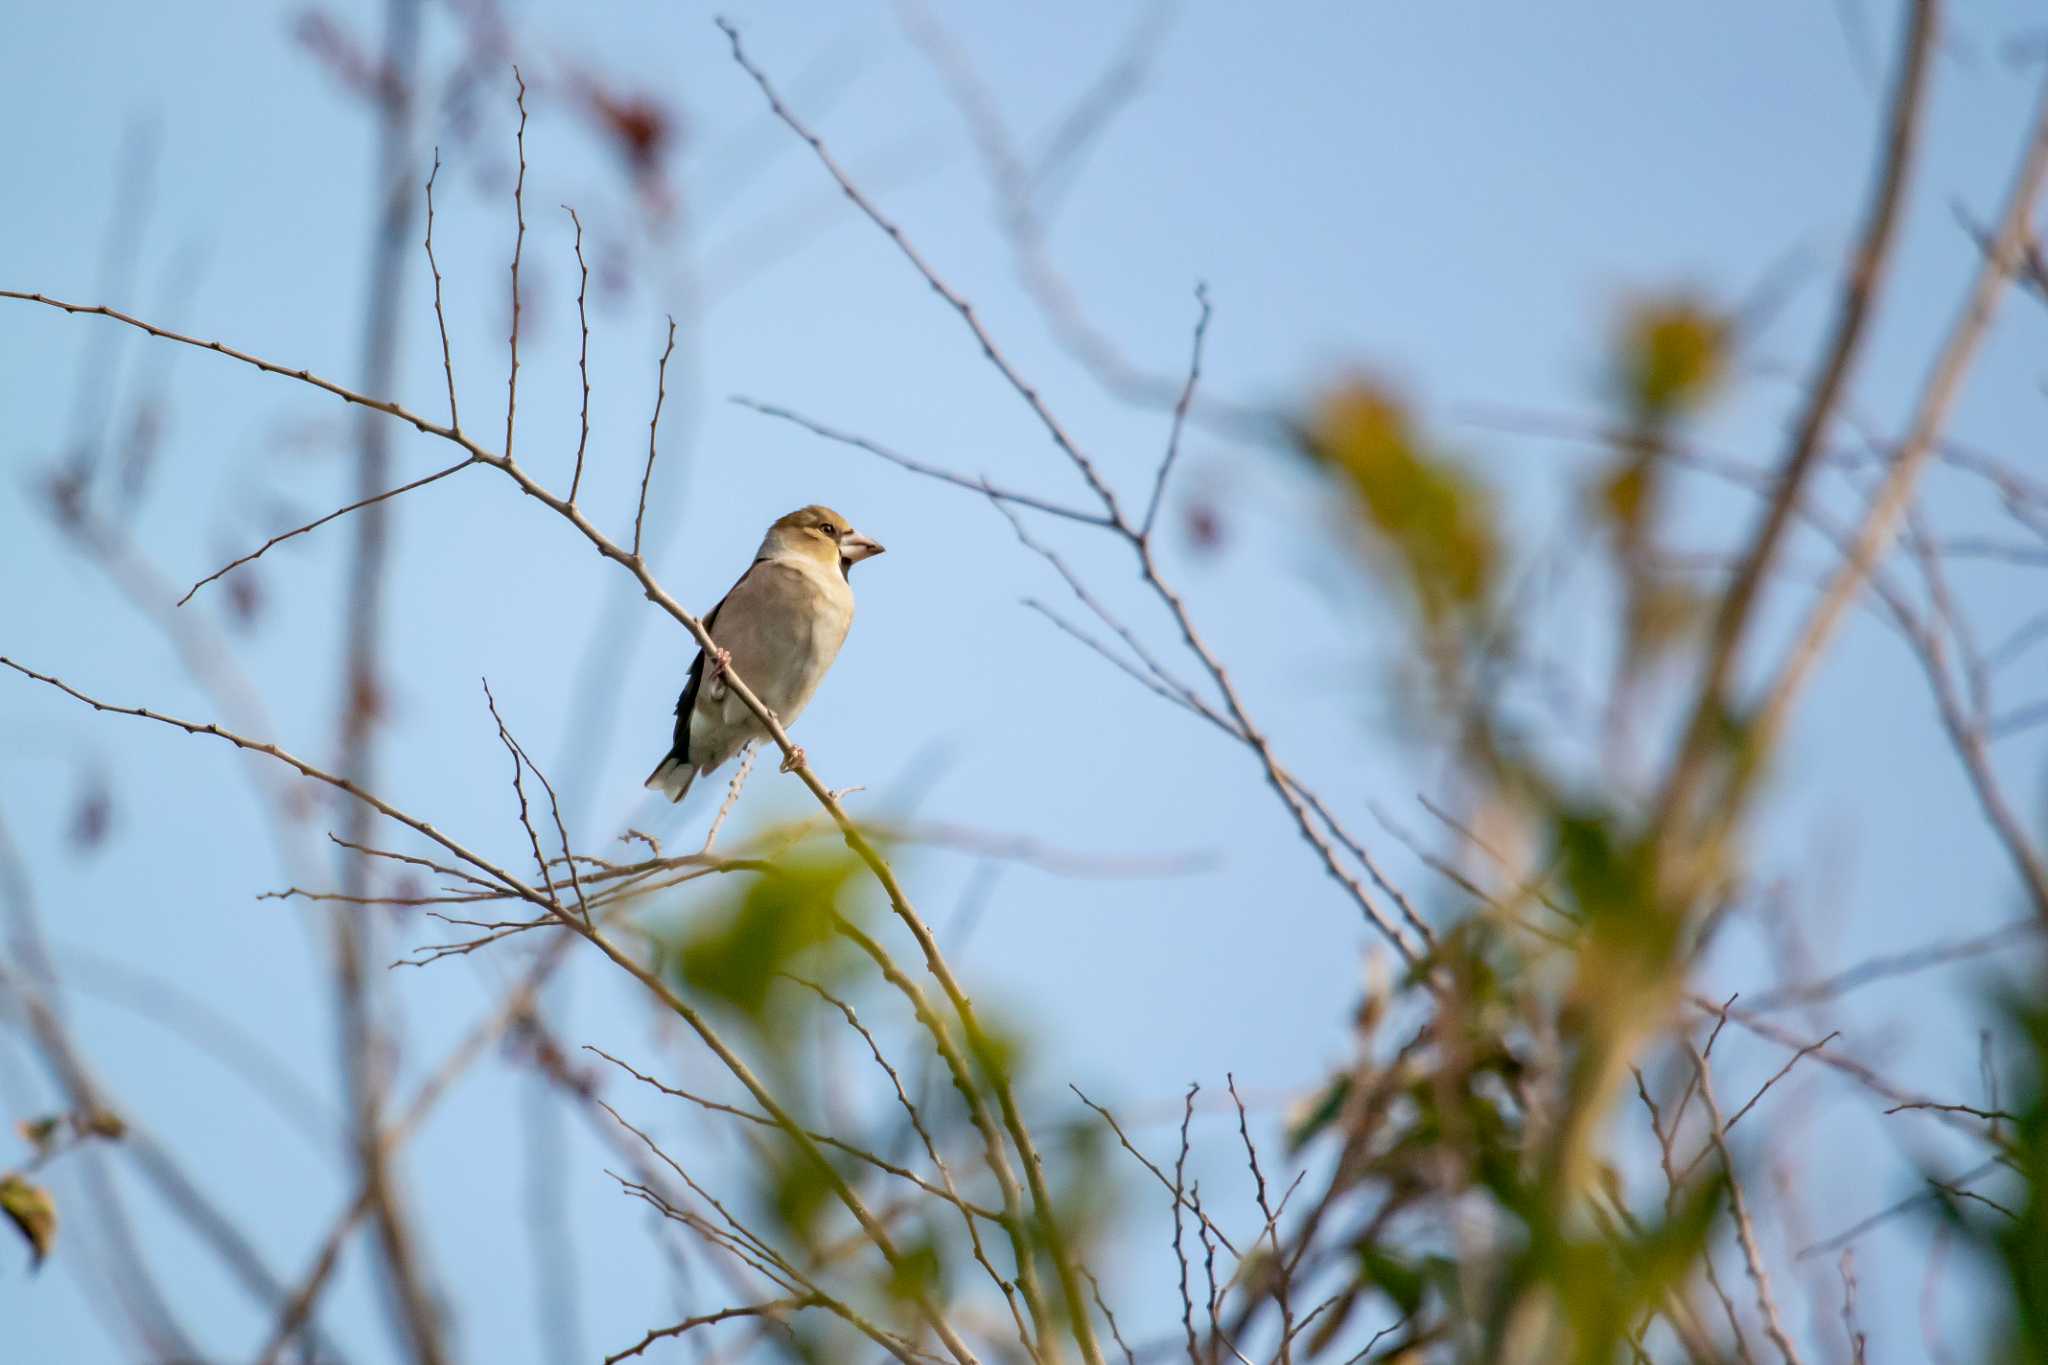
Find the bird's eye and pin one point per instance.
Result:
(828, 528)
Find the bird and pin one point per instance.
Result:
(778, 629)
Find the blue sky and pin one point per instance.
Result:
(1456, 196)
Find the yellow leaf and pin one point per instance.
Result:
(1673, 354)
(32, 1211)
(1418, 504)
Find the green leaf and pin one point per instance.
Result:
(1400, 1281)
(798, 1191)
(737, 956)
(1326, 1105)
(915, 1274)
(996, 1051)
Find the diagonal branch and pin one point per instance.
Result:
(318, 522)
(916, 466)
(1845, 339)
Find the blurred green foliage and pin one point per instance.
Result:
(33, 1213)
(28, 1205)
(1416, 502)
(783, 923)
(1671, 355)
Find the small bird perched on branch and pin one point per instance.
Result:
(779, 630)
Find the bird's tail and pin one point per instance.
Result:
(671, 777)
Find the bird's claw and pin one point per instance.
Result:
(721, 660)
(794, 759)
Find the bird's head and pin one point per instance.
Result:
(819, 533)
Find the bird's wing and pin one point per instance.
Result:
(687, 702)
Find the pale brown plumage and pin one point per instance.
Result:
(779, 629)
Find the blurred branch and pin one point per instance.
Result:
(32, 980)
(1891, 500)
(1867, 267)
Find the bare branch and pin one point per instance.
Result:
(440, 316)
(318, 522)
(732, 797)
(915, 466)
(1937, 395)
(653, 433)
(1146, 1161)
(981, 1211)
(1735, 1118)
(518, 247)
(1894, 965)
(1283, 1273)
(1180, 415)
(774, 1308)
(583, 353)
(887, 1341)
(1739, 1211)
(1991, 1116)
(1187, 1303)
(519, 760)
(1095, 1287)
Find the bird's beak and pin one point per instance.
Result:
(854, 548)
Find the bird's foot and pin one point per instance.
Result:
(794, 759)
(721, 660)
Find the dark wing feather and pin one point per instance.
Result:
(687, 702)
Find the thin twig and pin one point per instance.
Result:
(1776, 1076)
(732, 797)
(1124, 1140)
(318, 522)
(981, 1211)
(772, 1308)
(896, 1347)
(1180, 415)
(1739, 1211)
(916, 466)
(440, 316)
(653, 434)
(1095, 1285)
(518, 247)
(1187, 1302)
(583, 353)
(1991, 1116)
(554, 807)
(1284, 1280)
